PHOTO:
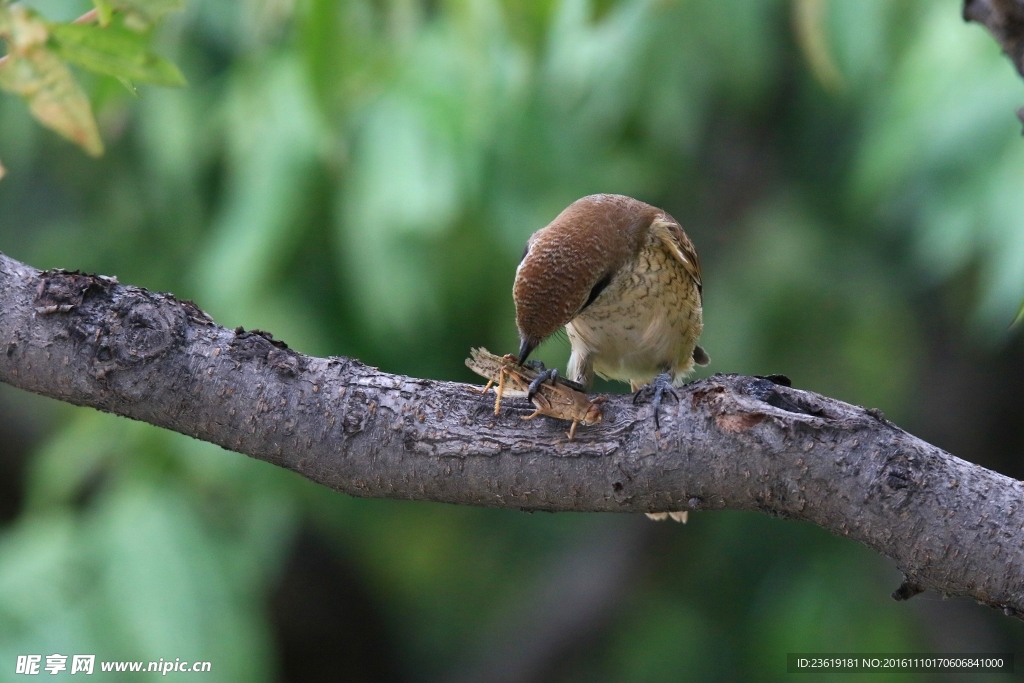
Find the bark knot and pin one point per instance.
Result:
(901, 476)
(148, 330)
(261, 346)
(61, 291)
(137, 329)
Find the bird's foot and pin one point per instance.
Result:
(661, 386)
(544, 376)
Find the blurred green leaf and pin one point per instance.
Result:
(941, 156)
(810, 22)
(140, 13)
(662, 640)
(38, 570)
(53, 96)
(115, 51)
(860, 34)
(274, 136)
(1020, 315)
(129, 86)
(104, 11)
(37, 74)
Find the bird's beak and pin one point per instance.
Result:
(526, 347)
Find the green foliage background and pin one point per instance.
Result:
(359, 177)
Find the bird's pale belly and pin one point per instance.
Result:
(640, 326)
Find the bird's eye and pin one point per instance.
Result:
(597, 289)
(526, 250)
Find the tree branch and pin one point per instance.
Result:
(732, 442)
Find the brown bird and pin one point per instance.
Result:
(625, 281)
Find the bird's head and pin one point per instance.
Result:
(569, 263)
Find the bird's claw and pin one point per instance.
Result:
(661, 386)
(551, 376)
(546, 375)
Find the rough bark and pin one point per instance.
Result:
(731, 442)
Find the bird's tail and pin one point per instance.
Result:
(700, 356)
(674, 516)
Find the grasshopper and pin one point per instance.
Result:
(560, 399)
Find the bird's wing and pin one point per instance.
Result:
(679, 245)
